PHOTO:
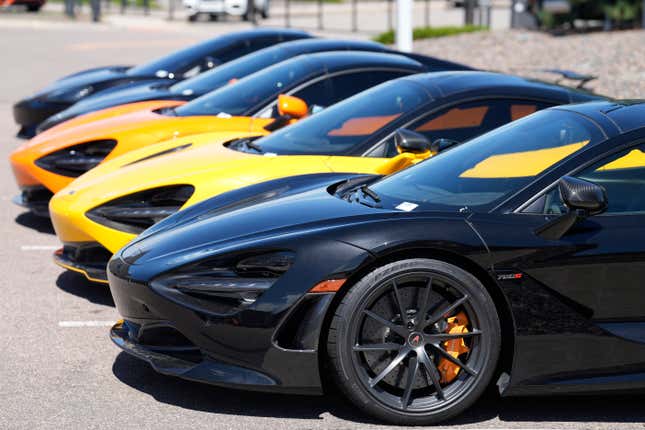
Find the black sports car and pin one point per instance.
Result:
(209, 81)
(517, 257)
(182, 64)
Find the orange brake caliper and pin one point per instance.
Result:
(455, 347)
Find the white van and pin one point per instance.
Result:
(217, 8)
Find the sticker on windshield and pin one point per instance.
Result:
(407, 206)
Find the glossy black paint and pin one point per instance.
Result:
(143, 91)
(573, 319)
(31, 111)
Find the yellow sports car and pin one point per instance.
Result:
(379, 131)
(54, 158)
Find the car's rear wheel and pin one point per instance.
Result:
(415, 342)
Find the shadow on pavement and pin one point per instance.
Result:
(206, 398)
(38, 223)
(78, 285)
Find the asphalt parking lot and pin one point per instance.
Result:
(57, 367)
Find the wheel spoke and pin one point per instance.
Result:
(377, 347)
(399, 303)
(400, 330)
(454, 360)
(413, 368)
(448, 336)
(395, 362)
(424, 306)
(431, 370)
(447, 310)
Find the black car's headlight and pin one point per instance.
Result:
(227, 284)
(136, 212)
(75, 160)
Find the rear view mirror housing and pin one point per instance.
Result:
(582, 198)
(292, 107)
(410, 141)
(440, 145)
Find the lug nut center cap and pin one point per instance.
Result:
(415, 339)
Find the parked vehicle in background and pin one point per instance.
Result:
(217, 8)
(32, 5)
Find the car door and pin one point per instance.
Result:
(578, 302)
(606, 275)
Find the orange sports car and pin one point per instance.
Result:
(52, 160)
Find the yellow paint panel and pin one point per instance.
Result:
(521, 164)
(633, 160)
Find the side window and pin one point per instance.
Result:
(622, 175)
(334, 89)
(464, 121)
(319, 93)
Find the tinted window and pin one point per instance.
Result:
(337, 88)
(464, 121)
(622, 175)
(482, 172)
(349, 123)
(230, 72)
(246, 96)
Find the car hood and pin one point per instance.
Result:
(227, 228)
(119, 95)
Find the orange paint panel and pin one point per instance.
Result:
(363, 126)
(456, 118)
(520, 111)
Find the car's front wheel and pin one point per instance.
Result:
(415, 342)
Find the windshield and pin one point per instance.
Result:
(251, 93)
(484, 171)
(348, 124)
(230, 72)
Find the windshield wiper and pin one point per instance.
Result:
(368, 191)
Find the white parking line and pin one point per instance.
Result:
(39, 247)
(74, 324)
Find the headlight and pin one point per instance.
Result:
(222, 286)
(136, 212)
(70, 94)
(75, 160)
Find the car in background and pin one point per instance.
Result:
(179, 65)
(225, 74)
(380, 131)
(31, 5)
(516, 258)
(53, 159)
(218, 8)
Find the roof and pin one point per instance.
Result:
(341, 60)
(626, 115)
(450, 83)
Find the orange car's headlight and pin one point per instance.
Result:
(75, 160)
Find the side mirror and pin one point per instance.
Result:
(440, 145)
(583, 198)
(578, 194)
(411, 141)
(292, 107)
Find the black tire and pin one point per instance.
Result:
(412, 393)
(193, 18)
(33, 7)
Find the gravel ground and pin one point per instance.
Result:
(617, 58)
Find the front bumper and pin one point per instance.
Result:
(89, 259)
(244, 350)
(30, 113)
(36, 199)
